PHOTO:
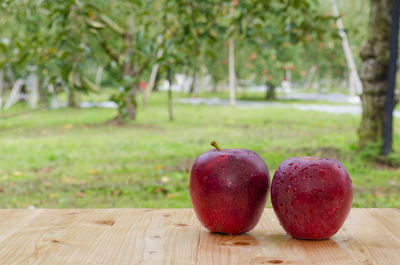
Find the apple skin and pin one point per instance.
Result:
(311, 196)
(229, 190)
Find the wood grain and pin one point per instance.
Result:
(174, 236)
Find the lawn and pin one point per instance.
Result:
(68, 158)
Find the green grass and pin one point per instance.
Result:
(69, 158)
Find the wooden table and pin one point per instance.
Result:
(174, 236)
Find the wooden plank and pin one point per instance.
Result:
(269, 244)
(149, 237)
(174, 236)
(12, 221)
(389, 218)
(368, 241)
(295, 251)
(48, 236)
(26, 243)
(71, 244)
(173, 239)
(121, 244)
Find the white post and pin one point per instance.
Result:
(152, 79)
(15, 94)
(32, 85)
(99, 74)
(288, 76)
(354, 79)
(232, 77)
(53, 102)
(310, 77)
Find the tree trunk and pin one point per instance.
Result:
(194, 83)
(156, 82)
(43, 90)
(73, 99)
(131, 103)
(271, 92)
(170, 106)
(374, 72)
(232, 76)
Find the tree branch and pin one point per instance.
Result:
(110, 52)
(139, 70)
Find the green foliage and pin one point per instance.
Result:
(68, 39)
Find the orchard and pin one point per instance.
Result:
(108, 103)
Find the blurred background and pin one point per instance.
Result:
(107, 103)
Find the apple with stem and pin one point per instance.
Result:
(311, 196)
(229, 188)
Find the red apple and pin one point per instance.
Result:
(311, 196)
(229, 188)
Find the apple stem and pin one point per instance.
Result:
(214, 143)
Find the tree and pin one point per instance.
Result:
(132, 48)
(276, 28)
(374, 72)
(23, 39)
(186, 36)
(187, 32)
(70, 46)
(53, 37)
